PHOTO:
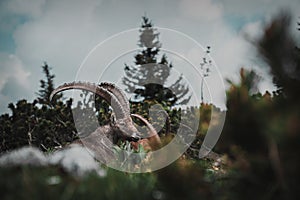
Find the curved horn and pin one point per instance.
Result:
(96, 89)
(119, 94)
(153, 134)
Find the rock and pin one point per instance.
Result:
(76, 160)
(24, 156)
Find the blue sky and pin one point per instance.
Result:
(63, 32)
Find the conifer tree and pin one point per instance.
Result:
(147, 79)
(279, 49)
(47, 86)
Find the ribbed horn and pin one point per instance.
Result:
(108, 96)
(152, 132)
(119, 94)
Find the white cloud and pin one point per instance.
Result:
(30, 8)
(12, 67)
(13, 75)
(13, 12)
(61, 36)
(254, 8)
(201, 9)
(253, 30)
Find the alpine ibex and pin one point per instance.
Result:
(102, 139)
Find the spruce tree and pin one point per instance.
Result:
(148, 77)
(47, 86)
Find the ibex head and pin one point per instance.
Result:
(116, 98)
